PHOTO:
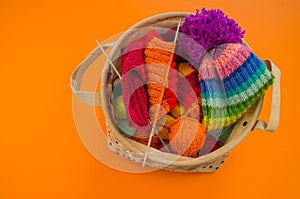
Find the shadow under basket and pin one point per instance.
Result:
(135, 151)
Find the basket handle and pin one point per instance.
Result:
(87, 97)
(275, 104)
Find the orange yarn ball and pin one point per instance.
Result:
(186, 136)
(143, 138)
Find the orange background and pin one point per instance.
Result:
(41, 155)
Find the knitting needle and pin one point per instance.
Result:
(107, 57)
(176, 34)
(163, 142)
(153, 126)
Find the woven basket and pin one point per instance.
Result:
(135, 151)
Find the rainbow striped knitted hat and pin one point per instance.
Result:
(232, 78)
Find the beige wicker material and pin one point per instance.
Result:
(134, 150)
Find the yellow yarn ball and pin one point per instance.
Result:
(164, 132)
(178, 111)
(119, 108)
(185, 69)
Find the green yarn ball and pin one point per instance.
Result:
(117, 88)
(222, 134)
(119, 108)
(125, 129)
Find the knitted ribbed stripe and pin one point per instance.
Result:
(225, 116)
(234, 90)
(158, 55)
(232, 78)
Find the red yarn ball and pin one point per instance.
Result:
(210, 144)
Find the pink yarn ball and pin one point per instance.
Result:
(210, 144)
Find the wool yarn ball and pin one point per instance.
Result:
(186, 136)
(210, 144)
(125, 129)
(167, 122)
(143, 138)
(185, 69)
(119, 108)
(178, 111)
(222, 134)
(117, 88)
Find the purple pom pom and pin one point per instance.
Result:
(209, 28)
